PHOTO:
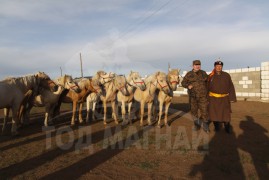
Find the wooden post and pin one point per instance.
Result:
(168, 67)
(61, 71)
(81, 65)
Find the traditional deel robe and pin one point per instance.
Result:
(221, 93)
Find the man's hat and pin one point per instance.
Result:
(218, 63)
(196, 62)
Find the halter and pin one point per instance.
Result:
(172, 82)
(161, 85)
(140, 82)
(94, 90)
(106, 78)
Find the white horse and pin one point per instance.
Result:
(166, 98)
(153, 82)
(93, 98)
(15, 92)
(50, 99)
(111, 89)
(134, 81)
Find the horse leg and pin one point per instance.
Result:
(88, 106)
(93, 110)
(149, 113)
(123, 113)
(129, 111)
(113, 104)
(14, 129)
(105, 109)
(6, 115)
(46, 115)
(160, 113)
(142, 105)
(74, 112)
(80, 112)
(166, 112)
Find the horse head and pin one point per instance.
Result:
(120, 84)
(104, 77)
(161, 82)
(70, 84)
(44, 81)
(173, 78)
(134, 79)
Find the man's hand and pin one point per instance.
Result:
(190, 87)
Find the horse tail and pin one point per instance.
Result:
(27, 97)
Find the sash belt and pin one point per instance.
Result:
(217, 95)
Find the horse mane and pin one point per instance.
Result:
(23, 80)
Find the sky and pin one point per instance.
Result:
(123, 35)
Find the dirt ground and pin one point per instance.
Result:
(92, 151)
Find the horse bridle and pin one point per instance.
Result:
(140, 82)
(94, 89)
(104, 78)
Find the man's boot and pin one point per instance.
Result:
(217, 126)
(228, 127)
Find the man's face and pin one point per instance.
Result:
(196, 67)
(218, 68)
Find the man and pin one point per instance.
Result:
(221, 93)
(196, 83)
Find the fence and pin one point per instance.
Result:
(250, 83)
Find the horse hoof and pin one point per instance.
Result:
(159, 126)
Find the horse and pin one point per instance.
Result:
(102, 77)
(15, 92)
(153, 82)
(166, 98)
(87, 86)
(111, 89)
(93, 98)
(134, 81)
(49, 99)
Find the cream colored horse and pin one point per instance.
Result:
(50, 99)
(134, 81)
(111, 89)
(164, 98)
(153, 82)
(15, 92)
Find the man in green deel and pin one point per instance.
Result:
(196, 83)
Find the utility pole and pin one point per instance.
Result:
(61, 71)
(168, 67)
(81, 65)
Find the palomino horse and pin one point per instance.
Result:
(153, 82)
(111, 89)
(15, 92)
(87, 86)
(134, 81)
(164, 98)
(50, 99)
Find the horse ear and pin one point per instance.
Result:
(178, 70)
(157, 73)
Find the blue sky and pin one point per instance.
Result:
(124, 35)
